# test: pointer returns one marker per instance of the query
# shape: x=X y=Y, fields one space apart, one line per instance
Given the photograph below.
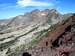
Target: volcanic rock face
x=35 y=33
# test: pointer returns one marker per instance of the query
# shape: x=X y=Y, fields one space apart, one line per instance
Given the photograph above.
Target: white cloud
x=25 y=3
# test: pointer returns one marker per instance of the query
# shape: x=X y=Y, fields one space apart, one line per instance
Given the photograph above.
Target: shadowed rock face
x=26 y=54
x=33 y=32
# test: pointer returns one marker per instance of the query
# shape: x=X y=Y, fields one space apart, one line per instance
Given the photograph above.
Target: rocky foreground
x=38 y=33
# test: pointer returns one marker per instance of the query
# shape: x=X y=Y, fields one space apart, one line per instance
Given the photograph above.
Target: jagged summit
x=34 y=16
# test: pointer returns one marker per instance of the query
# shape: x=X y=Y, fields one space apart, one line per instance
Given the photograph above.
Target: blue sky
x=11 y=8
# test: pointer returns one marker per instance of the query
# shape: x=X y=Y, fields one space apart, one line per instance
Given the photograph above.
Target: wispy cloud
x=25 y=3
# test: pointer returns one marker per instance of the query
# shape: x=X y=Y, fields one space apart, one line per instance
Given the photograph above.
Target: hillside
x=36 y=33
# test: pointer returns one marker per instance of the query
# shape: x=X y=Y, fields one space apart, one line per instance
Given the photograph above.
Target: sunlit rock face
x=24 y=32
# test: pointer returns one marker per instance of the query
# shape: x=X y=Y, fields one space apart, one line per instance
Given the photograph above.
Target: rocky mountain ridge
x=25 y=31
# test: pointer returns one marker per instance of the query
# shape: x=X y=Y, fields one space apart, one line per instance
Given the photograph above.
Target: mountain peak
x=36 y=16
